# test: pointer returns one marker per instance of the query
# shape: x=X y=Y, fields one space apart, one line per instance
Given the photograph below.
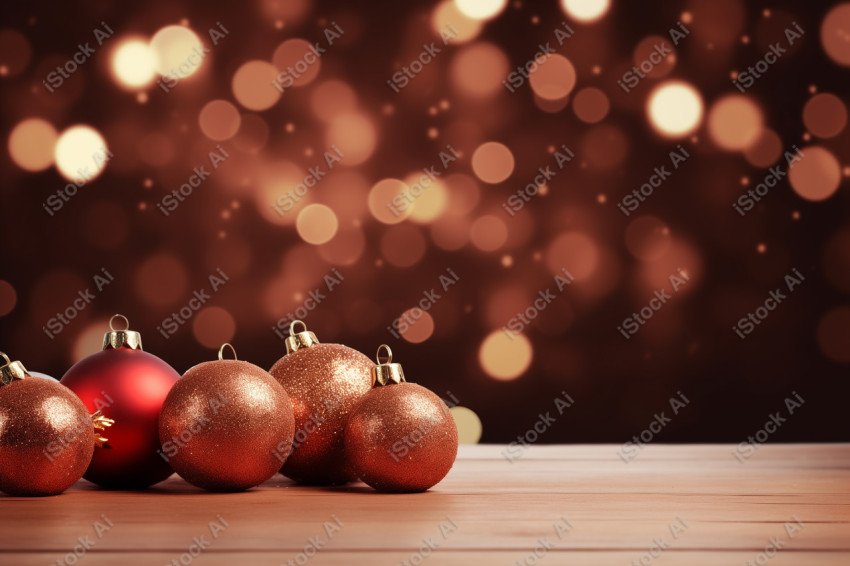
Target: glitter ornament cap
x=11 y=370
x=386 y=372
x=121 y=337
x=298 y=340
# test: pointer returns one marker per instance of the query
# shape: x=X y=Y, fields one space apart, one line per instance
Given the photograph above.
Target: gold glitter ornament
x=400 y=436
x=324 y=382
x=47 y=437
x=226 y=425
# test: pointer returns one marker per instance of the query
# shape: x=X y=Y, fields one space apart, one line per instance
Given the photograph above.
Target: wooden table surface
x=672 y=504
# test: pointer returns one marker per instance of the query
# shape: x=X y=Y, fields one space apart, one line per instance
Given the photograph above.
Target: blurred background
x=584 y=200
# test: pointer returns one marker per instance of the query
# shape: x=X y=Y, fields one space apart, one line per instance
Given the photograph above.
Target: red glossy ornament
x=227 y=425
x=128 y=385
x=324 y=381
x=46 y=435
x=400 y=436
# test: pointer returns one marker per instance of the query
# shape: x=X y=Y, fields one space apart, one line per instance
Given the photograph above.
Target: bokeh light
x=178 y=50
x=15 y=52
x=469 y=427
x=833 y=336
x=403 y=245
x=297 y=63
x=735 y=122
x=389 y=201
x=574 y=252
x=825 y=115
x=419 y=327
x=332 y=98
x=591 y=105
x=134 y=63
x=481 y=9
x=817 y=175
x=81 y=153
x=219 y=120
x=316 y=224
x=253 y=85
x=354 y=136
x=8 y=298
x=834 y=34
x=675 y=109
x=492 y=162
x=586 y=11
x=505 y=356
x=488 y=233
x=447 y=16
x=766 y=149
x=647 y=238
x=554 y=77
x=31 y=144
x=213 y=326
x=478 y=70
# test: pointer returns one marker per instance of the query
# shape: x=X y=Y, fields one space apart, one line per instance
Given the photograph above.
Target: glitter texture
x=401 y=437
x=324 y=382
x=226 y=426
x=46 y=437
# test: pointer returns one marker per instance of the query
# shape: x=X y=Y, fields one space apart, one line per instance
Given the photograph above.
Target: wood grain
x=572 y=504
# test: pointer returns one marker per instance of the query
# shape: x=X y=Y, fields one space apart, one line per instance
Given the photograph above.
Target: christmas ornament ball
x=227 y=425
x=400 y=437
x=324 y=381
x=129 y=386
x=47 y=436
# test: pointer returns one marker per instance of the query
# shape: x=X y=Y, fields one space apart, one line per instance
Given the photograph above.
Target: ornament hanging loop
x=121 y=337
x=386 y=372
x=221 y=351
x=119 y=317
x=11 y=371
x=298 y=340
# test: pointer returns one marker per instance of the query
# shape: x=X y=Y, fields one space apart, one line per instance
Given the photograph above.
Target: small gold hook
x=292 y=327
x=389 y=354
x=221 y=351
x=120 y=317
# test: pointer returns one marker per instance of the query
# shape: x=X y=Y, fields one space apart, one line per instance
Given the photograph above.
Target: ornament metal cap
x=298 y=340
x=11 y=371
x=121 y=337
x=386 y=373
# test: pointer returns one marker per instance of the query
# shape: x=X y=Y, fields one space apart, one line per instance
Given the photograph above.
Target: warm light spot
x=591 y=105
x=316 y=224
x=505 y=356
x=735 y=122
x=675 y=109
x=554 y=78
x=419 y=327
x=31 y=144
x=648 y=53
x=430 y=198
x=390 y=201
x=15 y=52
x=448 y=18
x=253 y=85
x=468 y=425
x=816 y=175
x=766 y=149
x=219 y=120
x=297 y=63
x=213 y=326
x=134 y=64
x=585 y=11
x=8 y=298
x=178 y=51
x=492 y=162
x=332 y=98
x=488 y=233
x=481 y=9
x=825 y=115
x=574 y=252
x=647 y=238
x=479 y=69
x=403 y=245
x=161 y=280
x=833 y=337
x=80 y=153
x=345 y=248
x=835 y=34
x=355 y=137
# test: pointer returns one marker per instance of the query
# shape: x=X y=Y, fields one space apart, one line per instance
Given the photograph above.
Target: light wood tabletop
x=582 y=504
